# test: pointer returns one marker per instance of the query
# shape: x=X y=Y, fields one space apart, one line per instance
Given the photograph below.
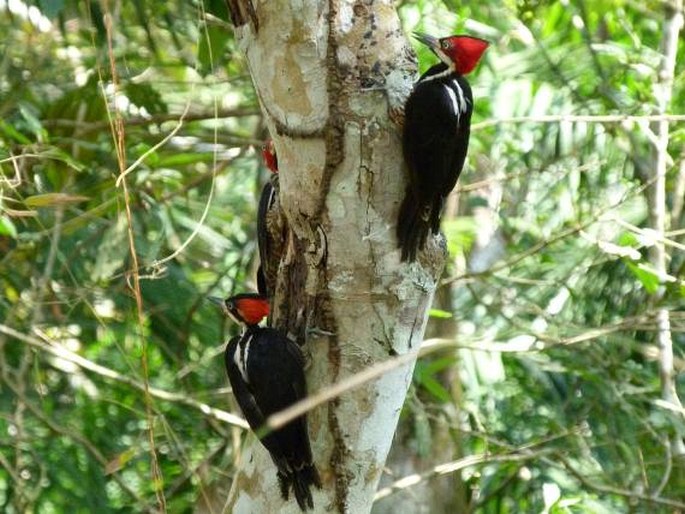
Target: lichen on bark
x=320 y=70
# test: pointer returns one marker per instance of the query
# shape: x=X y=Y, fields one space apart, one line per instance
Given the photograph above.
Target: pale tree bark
x=673 y=23
x=324 y=72
x=446 y=493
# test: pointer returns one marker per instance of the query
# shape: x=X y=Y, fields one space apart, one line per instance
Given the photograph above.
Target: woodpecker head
x=461 y=53
x=245 y=308
x=269 y=156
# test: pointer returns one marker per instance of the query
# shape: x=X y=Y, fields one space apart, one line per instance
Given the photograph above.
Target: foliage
x=568 y=290
x=572 y=274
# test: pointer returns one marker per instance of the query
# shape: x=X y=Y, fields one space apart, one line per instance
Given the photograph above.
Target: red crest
x=252 y=309
x=463 y=51
x=269 y=156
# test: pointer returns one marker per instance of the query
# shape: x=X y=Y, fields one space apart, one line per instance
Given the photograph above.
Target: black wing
x=265 y=201
x=280 y=388
x=436 y=134
x=248 y=403
x=241 y=391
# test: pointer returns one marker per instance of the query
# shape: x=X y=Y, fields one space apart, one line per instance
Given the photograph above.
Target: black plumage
x=435 y=138
x=435 y=141
x=266 y=371
x=271 y=237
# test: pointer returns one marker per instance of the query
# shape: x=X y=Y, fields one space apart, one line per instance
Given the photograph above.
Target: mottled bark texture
x=327 y=74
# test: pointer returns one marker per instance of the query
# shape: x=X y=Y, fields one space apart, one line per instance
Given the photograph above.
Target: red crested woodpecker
x=435 y=139
x=271 y=233
x=266 y=372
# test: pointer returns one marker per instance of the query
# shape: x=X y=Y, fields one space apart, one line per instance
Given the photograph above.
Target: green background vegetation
x=568 y=396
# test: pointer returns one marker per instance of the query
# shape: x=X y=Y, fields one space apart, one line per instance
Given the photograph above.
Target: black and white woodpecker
x=266 y=372
x=435 y=139
x=271 y=226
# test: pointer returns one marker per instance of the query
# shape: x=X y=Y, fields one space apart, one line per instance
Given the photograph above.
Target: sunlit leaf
x=439 y=314
x=460 y=233
x=12 y=133
x=54 y=200
x=211 y=48
x=7 y=228
x=120 y=461
x=648 y=279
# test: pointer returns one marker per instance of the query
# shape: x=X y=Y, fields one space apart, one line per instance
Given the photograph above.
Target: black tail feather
x=413 y=226
x=301 y=481
x=283 y=484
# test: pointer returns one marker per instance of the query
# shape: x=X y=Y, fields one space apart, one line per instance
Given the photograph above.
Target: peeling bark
x=326 y=74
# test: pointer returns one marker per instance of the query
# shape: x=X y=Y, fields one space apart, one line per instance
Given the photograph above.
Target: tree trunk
x=445 y=493
x=673 y=23
x=325 y=73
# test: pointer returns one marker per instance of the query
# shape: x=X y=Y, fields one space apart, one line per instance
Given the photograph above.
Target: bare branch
x=608 y=489
x=580 y=118
x=57 y=350
x=663 y=90
x=451 y=467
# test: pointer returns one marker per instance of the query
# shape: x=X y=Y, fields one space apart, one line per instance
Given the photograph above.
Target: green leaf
x=628 y=239
x=211 y=48
x=439 y=314
x=424 y=375
x=53 y=200
x=648 y=279
x=183 y=159
x=460 y=233
x=33 y=124
x=13 y=133
x=438 y=365
x=58 y=154
x=144 y=95
x=436 y=389
x=7 y=228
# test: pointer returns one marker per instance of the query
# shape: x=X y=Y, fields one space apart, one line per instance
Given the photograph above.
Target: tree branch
x=581 y=118
x=57 y=350
x=673 y=22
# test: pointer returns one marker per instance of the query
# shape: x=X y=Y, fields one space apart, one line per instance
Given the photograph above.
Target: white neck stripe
x=440 y=75
x=453 y=99
x=240 y=357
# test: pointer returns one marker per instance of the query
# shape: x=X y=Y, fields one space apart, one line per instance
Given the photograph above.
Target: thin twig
x=119 y=135
x=580 y=118
x=547 y=242
x=74 y=435
x=607 y=489
x=451 y=467
x=156 y=119
x=57 y=350
x=656 y=199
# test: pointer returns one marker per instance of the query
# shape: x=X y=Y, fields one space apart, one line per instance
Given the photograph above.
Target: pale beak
x=431 y=42
x=216 y=300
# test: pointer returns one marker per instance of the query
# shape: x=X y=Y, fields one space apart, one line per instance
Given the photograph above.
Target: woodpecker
x=435 y=139
x=266 y=371
x=269 y=156
x=270 y=227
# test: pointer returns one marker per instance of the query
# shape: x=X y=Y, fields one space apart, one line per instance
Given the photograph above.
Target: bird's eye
x=445 y=44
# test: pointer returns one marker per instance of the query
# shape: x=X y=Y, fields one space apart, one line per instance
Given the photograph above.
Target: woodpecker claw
x=316 y=331
x=320 y=247
x=396 y=115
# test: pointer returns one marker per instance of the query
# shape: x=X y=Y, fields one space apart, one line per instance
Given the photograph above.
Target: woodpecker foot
x=396 y=115
x=320 y=248
x=316 y=331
